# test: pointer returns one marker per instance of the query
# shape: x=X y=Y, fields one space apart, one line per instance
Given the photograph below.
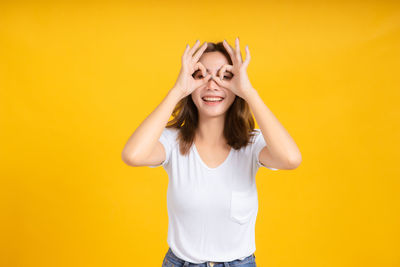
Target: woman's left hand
x=239 y=84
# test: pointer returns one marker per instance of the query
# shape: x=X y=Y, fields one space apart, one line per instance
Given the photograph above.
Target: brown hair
x=238 y=126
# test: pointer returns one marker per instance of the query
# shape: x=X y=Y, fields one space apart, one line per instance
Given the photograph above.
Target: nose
x=211 y=84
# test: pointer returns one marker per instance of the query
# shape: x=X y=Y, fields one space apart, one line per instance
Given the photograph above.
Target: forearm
x=278 y=140
x=146 y=135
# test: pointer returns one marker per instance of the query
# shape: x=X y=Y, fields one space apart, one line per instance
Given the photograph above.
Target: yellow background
x=77 y=78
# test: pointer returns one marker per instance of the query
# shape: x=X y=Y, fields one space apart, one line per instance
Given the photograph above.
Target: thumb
x=220 y=82
x=208 y=76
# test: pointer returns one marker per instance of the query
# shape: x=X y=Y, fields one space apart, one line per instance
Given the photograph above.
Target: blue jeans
x=171 y=260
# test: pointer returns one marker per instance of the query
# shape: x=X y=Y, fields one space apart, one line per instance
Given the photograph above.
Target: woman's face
x=213 y=61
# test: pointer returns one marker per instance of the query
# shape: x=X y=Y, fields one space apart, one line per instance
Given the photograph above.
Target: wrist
x=249 y=93
x=176 y=92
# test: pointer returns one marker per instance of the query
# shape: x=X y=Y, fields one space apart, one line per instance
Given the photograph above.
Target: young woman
x=211 y=153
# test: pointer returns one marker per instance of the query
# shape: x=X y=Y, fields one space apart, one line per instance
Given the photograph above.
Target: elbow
x=127 y=158
x=294 y=161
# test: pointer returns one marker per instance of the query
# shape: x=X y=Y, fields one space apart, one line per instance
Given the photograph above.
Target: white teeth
x=212 y=98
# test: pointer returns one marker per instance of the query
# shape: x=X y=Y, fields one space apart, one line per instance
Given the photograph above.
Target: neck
x=211 y=131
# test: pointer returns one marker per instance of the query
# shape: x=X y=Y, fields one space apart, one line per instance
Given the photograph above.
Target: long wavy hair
x=238 y=124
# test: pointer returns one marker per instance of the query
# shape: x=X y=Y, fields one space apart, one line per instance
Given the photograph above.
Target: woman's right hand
x=185 y=83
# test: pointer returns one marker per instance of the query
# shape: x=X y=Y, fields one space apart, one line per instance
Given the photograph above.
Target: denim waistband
x=180 y=262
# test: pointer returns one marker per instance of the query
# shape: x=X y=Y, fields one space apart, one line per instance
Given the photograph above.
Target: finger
x=202 y=68
x=200 y=52
x=186 y=50
x=225 y=68
x=229 y=68
x=246 y=62
x=195 y=68
x=184 y=56
x=206 y=78
x=238 y=53
x=220 y=82
x=229 y=47
x=230 y=51
x=222 y=71
x=191 y=51
x=203 y=81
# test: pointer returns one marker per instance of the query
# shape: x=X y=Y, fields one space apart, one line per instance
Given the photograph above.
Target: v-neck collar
x=205 y=165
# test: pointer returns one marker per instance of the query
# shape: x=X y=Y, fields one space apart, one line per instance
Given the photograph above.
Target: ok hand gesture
x=239 y=84
x=185 y=83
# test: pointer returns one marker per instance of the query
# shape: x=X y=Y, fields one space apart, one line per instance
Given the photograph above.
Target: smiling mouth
x=212 y=101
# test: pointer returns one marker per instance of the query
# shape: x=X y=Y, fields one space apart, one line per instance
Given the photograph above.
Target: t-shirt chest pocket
x=243 y=205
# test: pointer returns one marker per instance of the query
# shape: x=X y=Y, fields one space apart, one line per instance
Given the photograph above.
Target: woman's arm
x=281 y=151
x=145 y=137
x=143 y=141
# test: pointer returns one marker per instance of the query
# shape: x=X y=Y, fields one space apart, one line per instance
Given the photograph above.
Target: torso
x=212 y=205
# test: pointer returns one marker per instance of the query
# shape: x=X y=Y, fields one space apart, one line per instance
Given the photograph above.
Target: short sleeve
x=258 y=145
x=166 y=140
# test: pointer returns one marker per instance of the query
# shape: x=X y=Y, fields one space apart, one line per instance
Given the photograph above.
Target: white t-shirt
x=212 y=211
